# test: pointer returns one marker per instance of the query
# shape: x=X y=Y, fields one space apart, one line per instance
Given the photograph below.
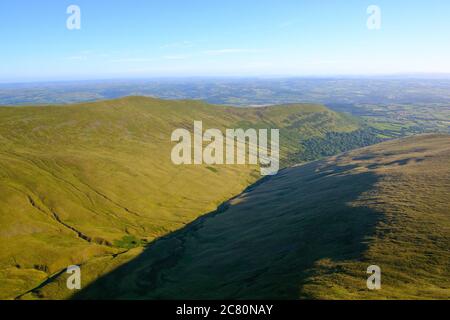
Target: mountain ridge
x=94 y=181
x=354 y=210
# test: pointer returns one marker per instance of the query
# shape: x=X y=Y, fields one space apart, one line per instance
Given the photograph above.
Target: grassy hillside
x=311 y=232
x=91 y=184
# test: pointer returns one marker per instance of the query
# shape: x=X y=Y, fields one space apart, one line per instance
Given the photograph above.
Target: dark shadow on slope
x=259 y=245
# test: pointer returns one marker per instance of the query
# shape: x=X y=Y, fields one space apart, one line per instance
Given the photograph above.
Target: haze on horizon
x=138 y=39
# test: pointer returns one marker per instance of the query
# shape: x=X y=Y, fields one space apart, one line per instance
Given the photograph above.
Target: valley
x=92 y=184
x=310 y=233
x=204 y=159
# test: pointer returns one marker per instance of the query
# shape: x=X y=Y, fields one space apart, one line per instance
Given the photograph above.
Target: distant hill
x=92 y=183
x=311 y=232
x=339 y=91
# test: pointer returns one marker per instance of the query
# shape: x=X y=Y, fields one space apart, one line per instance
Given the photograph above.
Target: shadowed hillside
x=92 y=184
x=311 y=232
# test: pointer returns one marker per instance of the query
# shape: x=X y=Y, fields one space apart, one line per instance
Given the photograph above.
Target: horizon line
x=405 y=75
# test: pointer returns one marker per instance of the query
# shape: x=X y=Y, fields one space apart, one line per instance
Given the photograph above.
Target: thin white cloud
x=328 y=62
x=176 y=57
x=132 y=60
x=77 y=58
x=181 y=44
x=87 y=55
x=229 y=51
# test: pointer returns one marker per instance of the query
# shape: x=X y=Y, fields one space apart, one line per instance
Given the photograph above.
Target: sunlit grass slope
x=311 y=232
x=83 y=184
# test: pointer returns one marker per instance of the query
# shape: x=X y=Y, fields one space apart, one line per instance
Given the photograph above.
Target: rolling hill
x=92 y=184
x=311 y=232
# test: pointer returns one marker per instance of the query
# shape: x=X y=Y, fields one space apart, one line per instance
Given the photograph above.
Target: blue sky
x=154 y=38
